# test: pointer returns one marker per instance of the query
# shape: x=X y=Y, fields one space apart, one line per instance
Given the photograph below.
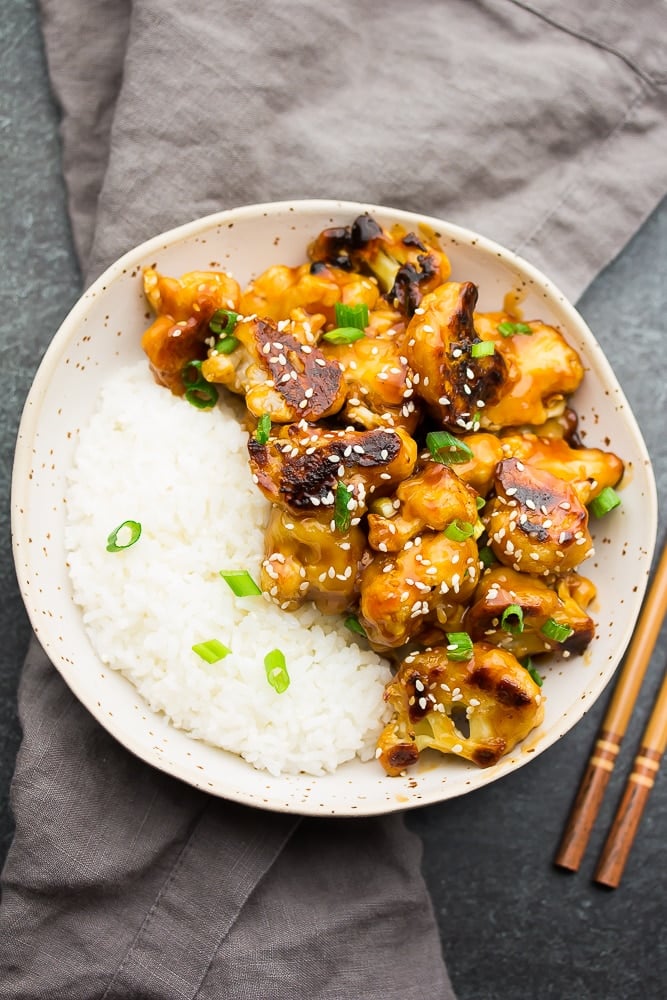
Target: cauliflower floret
x=436 y=699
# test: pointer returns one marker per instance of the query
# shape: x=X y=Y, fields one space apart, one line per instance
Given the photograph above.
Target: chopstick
x=637 y=790
x=615 y=723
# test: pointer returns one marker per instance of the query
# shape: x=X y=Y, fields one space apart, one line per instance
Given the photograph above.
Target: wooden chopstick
x=615 y=723
x=637 y=790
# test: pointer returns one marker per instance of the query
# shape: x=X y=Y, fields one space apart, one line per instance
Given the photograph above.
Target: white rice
x=183 y=474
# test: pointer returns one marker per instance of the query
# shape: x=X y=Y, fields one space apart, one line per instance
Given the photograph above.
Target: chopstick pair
x=601 y=763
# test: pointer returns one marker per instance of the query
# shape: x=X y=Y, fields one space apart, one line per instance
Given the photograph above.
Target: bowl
x=102 y=333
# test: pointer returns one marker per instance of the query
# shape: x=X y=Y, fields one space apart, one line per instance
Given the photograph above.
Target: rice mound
x=149 y=456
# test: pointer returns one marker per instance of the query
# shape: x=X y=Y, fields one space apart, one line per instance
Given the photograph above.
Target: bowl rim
x=135 y=256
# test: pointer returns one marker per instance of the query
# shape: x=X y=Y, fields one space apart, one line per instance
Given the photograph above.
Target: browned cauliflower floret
x=478 y=708
x=306 y=561
x=400 y=592
x=277 y=373
x=589 y=470
x=511 y=609
x=183 y=307
x=377 y=380
x=316 y=289
x=405 y=265
x=308 y=469
x=440 y=345
x=542 y=371
x=430 y=499
x=536 y=523
x=197 y=294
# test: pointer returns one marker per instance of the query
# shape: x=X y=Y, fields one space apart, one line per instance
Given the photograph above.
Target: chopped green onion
x=203 y=395
x=512 y=619
x=554 y=630
x=487 y=556
x=198 y=391
x=211 y=651
x=509 y=329
x=482 y=349
x=222 y=322
x=352 y=622
x=480 y=501
x=459 y=646
x=240 y=582
x=478 y=529
x=263 y=432
x=476 y=421
x=191 y=373
x=343 y=335
x=134 y=529
x=605 y=501
x=276 y=670
x=226 y=345
x=447 y=449
x=354 y=316
x=342 y=515
x=527 y=664
x=458 y=531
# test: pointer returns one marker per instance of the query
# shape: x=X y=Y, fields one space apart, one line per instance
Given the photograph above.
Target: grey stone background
x=513 y=926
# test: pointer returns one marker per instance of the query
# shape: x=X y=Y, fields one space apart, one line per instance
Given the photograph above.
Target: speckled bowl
x=102 y=332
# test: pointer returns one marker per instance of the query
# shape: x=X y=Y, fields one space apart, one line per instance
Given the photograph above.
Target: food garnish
x=554 y=630
x=212 y=650
x=605 y=501
x=276 y=670
x=125 y=535
x=240 y=582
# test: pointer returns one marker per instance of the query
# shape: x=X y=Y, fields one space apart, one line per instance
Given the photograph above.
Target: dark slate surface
x=513 y=926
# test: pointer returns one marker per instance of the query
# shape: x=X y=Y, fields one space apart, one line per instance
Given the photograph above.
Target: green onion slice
x=343 y=335
x=198 y=391
x=554 y=630
x=512 y=619
x=240 y=582
x=605 y=501
x=226 y=345
x=211 y=651
x=482 y=349
x=125 y=535
x=447 y=449
x=459 y=646
x=509 y=329
x=527 y=664
x=276 y=670
x=203 y=395
x=352 y=316
x=458 y=531
x=487 y=556
x=222 y=322
x=352 y=622
x=263 y=431
x=480 y=501
x=342 y=515
x=191 y=373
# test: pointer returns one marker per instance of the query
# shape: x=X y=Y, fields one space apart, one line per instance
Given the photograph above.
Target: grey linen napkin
x=542 y=125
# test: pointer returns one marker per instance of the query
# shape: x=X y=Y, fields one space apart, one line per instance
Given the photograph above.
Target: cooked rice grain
x=183 y=474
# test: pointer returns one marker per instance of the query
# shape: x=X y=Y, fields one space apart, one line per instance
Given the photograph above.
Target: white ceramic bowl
x=102 y=333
